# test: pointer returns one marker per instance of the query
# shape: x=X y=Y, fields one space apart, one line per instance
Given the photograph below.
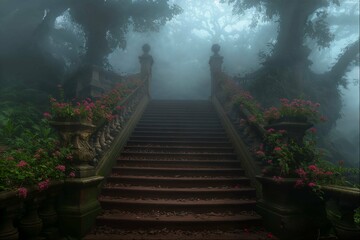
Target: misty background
x=181 y=50
x=44 y=42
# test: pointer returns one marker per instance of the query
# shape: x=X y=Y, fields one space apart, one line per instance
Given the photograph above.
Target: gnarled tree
x=286 y=70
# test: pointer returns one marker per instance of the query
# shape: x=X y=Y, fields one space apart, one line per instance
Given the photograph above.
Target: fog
x=42 y=43
x=181 y=50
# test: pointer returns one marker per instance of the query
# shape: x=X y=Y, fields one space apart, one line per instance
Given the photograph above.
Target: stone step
x=181 y=182
x=190 y=221
x=181 y=134
x=185 y=172
x=176 y=156
x=178 y=138
x=177 y=143
x=218 y=164
x=178 y=129
x=174 y=149
x=176 y=193
x=178 y=205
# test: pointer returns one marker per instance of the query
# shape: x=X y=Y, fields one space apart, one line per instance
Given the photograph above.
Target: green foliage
x=34 y=157
x=357 y=216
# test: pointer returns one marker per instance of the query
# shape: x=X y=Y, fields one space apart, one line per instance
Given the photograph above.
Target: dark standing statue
x=215 y=63
x=146 y=61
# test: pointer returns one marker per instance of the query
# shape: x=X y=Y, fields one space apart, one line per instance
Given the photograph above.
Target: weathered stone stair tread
x=132 y=218
x=172 y=154
x=170 y=202
x=176 y=193
x=167 y=179
x=177 y=129
x=176 y=143
x=183 y=162
x=178 y=138
x=174 y=133
x=176 y=148
x=166 y=171
x=177 y=235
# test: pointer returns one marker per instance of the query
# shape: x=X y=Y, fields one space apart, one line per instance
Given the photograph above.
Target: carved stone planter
x=77 y=135
x=340 y=205
x=294 y=126
x=291 y=213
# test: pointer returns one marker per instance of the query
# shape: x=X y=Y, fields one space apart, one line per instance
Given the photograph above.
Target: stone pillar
x=146 y=62
x=79 y=203
x=215 y=63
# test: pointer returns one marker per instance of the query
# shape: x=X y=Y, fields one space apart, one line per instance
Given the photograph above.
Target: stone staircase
x=178 y=178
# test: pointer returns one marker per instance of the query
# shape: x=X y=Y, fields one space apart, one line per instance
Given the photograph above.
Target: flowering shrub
x=295 y=108
x=245 y=100
x=282 y=158
x=34 y=158
x=88 y=110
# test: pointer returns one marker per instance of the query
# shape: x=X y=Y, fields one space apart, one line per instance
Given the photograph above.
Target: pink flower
x=22 y=164
x=260 y=153
x=313 y=168
x=69 y=157
x=277 y=179
x=282 y=131
x=22 y=192
x=269 y=235
x=301 y=172
x=43 y=185
x=271 y=130
x=72 y=174
x=61 y=168
x=299 y=183
x=313 y=130
x=47 y=115
x=312 y=184
x=329 y=173
x=277 y=149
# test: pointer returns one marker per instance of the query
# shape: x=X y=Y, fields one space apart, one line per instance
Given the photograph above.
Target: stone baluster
x=30 y=225
x=215 y=63
x=7 y=216
x=49 y=216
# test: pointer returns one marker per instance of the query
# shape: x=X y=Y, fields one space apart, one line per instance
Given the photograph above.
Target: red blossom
x=299 y=183
x=270 y=235
x=260 y=153
x=22 y=163
x=313 y=168
x=22 y=192
x=277 y=149
x=61 y=168
x=278 y=179
x=43 y=185
x=72 y=174
x=47 y=115
x=311 y=184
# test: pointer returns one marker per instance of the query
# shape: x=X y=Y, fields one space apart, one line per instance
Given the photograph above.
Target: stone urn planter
x=291 y=213
x=294 y=126
x=77 y=135
x=340 y=205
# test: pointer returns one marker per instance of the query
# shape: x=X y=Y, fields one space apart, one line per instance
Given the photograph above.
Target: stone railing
x=241 y=136
x=69 y=208
x=282 y=218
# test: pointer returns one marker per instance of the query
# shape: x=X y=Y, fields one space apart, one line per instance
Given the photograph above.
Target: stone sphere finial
x=215 y=48
x=146 y=48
